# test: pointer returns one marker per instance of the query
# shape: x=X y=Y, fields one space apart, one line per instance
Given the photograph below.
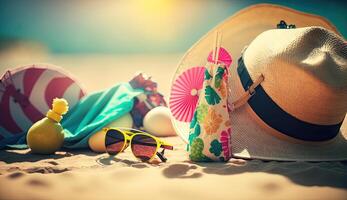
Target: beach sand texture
x=83 y=174
x=87 y=175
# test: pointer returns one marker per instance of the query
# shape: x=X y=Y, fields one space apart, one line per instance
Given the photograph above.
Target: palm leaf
x=207 y=75
x=218 y=77
x=211 y=96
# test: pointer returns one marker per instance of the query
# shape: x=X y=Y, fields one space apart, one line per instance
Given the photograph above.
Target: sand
x=87 y=175
x=83 y=174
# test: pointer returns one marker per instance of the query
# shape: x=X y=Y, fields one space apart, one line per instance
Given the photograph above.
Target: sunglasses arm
x=161 y=156
x=166 y=146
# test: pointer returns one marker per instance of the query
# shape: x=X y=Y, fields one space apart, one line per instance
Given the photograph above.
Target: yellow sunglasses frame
x=129 y=133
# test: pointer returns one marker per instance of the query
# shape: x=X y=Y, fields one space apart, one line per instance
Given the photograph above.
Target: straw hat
x=300 y=81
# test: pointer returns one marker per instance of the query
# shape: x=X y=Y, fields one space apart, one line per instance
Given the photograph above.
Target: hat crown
x=314 y=49
x=305 y=71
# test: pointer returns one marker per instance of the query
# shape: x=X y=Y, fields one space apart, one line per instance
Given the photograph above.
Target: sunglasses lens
x=143 y=147
x=114 y=141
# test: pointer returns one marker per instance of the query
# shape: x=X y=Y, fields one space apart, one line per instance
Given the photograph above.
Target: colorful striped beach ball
x=26 y=94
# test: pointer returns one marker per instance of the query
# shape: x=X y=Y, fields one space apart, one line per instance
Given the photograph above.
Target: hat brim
x=249 y=138
x=252 y=138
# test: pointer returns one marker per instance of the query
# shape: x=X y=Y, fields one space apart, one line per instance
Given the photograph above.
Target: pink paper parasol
x=223 y=57
x=185 y=93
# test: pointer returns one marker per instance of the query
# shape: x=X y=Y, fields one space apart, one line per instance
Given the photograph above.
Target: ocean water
x=132 y=26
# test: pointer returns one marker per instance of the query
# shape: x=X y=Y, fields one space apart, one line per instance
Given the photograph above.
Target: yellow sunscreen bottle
x=46 y=136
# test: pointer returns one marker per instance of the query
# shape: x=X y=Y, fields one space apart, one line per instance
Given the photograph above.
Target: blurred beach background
x=97 y=40
x=102 y=43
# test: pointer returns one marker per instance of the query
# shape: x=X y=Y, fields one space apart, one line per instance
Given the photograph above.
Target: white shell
x=158 y=122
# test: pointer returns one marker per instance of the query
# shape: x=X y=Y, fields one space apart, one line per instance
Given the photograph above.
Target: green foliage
x=196 y=153
x=194 y=133
x=218 y=77
x=211 y=96
x=194 y=121
x=194 y=129
x=202 y=111
x=216 y=147
x=207 y=75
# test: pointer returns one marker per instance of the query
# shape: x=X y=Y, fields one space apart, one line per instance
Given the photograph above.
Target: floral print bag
x=210 y=128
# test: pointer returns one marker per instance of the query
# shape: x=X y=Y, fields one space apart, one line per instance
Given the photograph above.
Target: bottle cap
x=59 y=108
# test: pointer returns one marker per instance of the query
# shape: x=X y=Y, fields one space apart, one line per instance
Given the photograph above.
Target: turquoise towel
x=95 y=111
x=91 y=114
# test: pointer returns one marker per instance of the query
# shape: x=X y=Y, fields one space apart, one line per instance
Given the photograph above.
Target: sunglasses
x=143 y=145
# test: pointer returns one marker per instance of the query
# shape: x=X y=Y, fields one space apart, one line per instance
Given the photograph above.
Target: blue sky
x=132 y=26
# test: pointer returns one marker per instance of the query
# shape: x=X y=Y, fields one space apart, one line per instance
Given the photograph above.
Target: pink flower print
x=226 y=143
